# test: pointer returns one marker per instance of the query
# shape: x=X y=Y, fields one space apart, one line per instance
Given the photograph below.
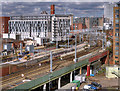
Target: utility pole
x=50 y=70
x=75 y=48
x=50 y=61
x=75 y=53
x=103 y=42
x=79 y=38
x=21 y=48
x=57 y=43
x=68 y=40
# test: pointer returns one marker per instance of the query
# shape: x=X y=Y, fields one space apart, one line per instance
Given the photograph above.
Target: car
x=96 y=84
x=92 y=87
x=86 y=87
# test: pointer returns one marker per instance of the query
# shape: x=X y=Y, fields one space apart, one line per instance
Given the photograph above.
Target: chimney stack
x=52 y=9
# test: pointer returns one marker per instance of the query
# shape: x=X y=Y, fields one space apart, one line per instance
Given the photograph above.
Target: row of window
x=30 y=17
x=24 y=22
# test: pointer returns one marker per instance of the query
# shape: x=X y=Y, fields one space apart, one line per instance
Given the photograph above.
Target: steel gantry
x=92 y=35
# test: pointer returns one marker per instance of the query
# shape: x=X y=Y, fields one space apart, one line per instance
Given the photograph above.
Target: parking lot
x=111 y=83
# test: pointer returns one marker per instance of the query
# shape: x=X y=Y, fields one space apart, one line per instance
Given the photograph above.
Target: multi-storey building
x=78 y=26
x=90 y=22
x=30 y=26
x=4 y=25
x=60 y=27
x=52 y=26
x=116 y=33
x=108 y=11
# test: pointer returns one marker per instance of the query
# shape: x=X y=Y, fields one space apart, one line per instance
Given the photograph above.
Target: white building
x=108 y=11
x=55 y=27
x=30 y=26
x=60 y=27
x=12 y=36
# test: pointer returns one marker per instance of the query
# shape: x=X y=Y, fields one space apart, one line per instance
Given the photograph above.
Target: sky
x=78 y=9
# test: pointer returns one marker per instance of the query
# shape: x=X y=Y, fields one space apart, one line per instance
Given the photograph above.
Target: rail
x=50 y=76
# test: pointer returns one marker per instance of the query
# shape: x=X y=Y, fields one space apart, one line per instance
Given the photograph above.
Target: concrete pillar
x=44 y=87
x=59 y=80
x=88 y=70
x=71 y=76
x=80 y=71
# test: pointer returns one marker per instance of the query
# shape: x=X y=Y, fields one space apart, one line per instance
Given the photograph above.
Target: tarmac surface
x=107 y=83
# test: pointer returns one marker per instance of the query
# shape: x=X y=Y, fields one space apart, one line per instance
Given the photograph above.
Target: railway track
x=36 y=70
x=39 y=71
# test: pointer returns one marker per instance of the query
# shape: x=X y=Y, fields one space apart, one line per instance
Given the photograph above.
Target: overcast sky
x=78 y=9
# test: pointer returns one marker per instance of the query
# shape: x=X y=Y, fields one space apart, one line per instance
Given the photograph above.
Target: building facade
x=30 y=26
x=78 y=26
x=90 y=22
x=108 y=11
x=55 y=27
x=60 y=27
x=4 y=25
x=116 y=34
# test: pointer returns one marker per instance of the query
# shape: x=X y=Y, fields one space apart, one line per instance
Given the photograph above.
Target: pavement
x=101 y=79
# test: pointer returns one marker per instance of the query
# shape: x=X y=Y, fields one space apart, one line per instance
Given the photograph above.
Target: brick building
x=4 y=25
x=116 y=34
x=78 y=26
x=90 y=22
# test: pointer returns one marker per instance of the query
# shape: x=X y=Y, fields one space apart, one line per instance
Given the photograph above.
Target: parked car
x=92 y=87
x=96 y=85
x=89 y=87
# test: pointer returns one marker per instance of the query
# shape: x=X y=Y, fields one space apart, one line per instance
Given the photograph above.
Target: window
x=117 y=25
x=116 y=16
x=116 y=21
x=116 y=39
x=116 y=11
x=116 y=48
x=116 y=57
x=116 y=53
x=116 y=34
x=116 y=30
x=117 y=44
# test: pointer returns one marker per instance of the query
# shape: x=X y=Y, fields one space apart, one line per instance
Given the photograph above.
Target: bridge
x=62 y=69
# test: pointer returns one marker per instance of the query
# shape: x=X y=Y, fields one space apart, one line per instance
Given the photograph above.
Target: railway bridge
x=84 y=63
